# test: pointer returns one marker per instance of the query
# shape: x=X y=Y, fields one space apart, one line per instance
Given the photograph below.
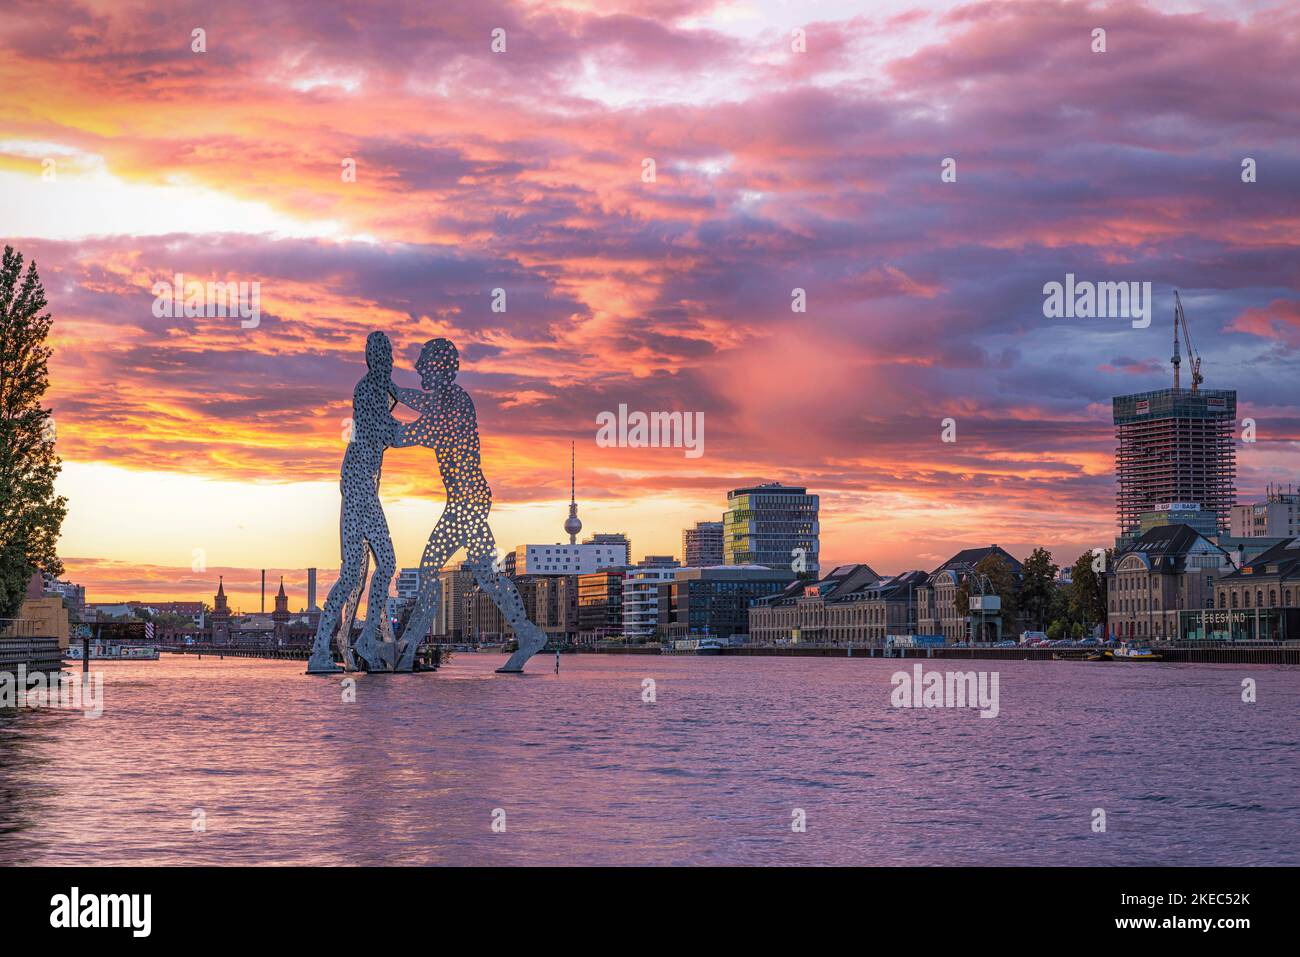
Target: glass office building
x=715 y=602
x=772 y=525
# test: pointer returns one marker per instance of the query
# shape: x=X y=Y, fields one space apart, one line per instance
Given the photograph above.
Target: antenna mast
x=573 y=524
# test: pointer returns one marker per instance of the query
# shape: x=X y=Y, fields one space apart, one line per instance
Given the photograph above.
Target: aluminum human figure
x=448 y=424
x=362 y=526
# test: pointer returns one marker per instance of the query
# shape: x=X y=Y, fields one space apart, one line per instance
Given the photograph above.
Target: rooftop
x=970 y=557
x=771 y=488
x=1174 y=403
x=1283 y=559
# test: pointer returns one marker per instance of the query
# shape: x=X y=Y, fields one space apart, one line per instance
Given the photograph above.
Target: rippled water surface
x=285 y=771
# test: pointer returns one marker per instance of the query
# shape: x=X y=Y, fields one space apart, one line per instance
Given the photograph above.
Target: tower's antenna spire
x=572 y=524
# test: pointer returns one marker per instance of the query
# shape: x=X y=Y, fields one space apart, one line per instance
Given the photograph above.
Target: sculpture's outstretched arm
x=404 y=436
x=417 y=399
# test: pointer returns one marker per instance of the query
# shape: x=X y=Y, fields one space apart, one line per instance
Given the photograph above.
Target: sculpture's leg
x=335 y=612
x=376 y=643
x=505 y=596
x=441 y=546
x=344 y=636
x=417 y=626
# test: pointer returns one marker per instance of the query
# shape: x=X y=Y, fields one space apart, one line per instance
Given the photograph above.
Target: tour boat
x=112 y=651
x=697 y=646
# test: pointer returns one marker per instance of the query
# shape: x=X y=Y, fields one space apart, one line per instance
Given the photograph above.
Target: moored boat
x=1077 y=654
x=1132 y=653
x=695 y=646
x=112 y=651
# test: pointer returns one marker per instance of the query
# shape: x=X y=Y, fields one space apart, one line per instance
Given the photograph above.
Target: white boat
x=1133 y=653
x=697 y=646
x=112 y=651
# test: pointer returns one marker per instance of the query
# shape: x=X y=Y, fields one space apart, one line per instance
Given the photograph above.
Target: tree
x=1059 y=610
x=31 y=515
x=1038 y=586
x=171 y=620
x=1088 y=601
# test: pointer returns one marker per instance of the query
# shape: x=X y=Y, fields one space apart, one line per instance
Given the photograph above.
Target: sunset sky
x=194 y=447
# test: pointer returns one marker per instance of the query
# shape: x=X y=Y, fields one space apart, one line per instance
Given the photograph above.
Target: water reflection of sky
x=284 y=771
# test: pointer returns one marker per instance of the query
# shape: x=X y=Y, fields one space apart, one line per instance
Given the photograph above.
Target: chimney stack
x=263 y=591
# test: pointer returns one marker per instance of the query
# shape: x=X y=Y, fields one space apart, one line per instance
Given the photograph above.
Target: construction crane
x=1180 y=319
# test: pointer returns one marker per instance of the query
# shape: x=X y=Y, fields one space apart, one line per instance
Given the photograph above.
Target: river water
x=240 y=761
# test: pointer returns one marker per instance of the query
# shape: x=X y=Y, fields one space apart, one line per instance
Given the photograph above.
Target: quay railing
x=284 y=653
x=21 y=645
x=290 y=652
x=1206 y=652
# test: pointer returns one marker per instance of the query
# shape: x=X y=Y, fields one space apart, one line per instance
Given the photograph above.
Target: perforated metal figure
x=448 y=424
x=362 y=526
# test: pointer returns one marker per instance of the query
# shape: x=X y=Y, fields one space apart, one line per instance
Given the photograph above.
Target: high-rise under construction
x=1176 y=446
